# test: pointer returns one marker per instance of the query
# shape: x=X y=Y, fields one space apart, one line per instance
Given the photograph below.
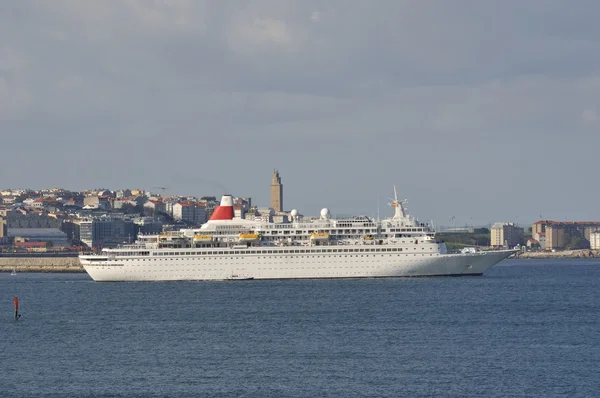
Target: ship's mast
x=398 y=205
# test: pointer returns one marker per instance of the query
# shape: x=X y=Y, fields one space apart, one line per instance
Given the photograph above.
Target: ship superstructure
x=229 y=248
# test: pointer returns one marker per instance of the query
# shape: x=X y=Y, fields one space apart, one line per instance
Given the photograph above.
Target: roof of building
x=30 y=244
x=36 y=232
x=550 y=222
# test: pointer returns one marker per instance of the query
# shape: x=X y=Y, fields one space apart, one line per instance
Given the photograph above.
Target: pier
x=582 y=253
x=40 y=264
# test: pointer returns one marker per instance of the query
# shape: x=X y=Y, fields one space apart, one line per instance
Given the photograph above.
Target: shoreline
x=581 y=253
x=40 y=264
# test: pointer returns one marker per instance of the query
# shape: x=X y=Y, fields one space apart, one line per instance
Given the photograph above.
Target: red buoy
x=16 y=301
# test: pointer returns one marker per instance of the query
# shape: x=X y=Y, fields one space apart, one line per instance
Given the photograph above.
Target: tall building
x=106 y=231
x=595 y=241
x=3 y=228
x=566 y=234
x=505 y=235
x=555 y=236
x=193 y=213
x=276 y=192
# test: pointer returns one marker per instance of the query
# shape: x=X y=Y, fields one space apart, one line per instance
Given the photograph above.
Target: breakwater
x=40 y=264
x=584 y=253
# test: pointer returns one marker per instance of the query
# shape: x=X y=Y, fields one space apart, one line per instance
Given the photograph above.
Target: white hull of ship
x=310 y=266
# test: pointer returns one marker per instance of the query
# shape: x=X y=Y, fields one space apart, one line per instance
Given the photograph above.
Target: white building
x=95 y=202
x=595 y=240
x=504 y=234
x=193 y=213
x=156 y=206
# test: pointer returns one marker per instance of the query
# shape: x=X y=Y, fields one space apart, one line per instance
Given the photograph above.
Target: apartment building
x=595 y=240
x=155 y=206
x=193 y=213
x=566 y=234
x=106 y=231
x=3 y=228
x=505 y=234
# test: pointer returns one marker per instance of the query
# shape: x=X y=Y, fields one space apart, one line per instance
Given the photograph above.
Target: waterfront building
x=595 y=240
x=555 y=236
x=106 y=231
x=505 y=234
x=3 y=228
x=53 y=235
x=33 y=247
x=541 y=238
x=565 y=234
x=21 y=218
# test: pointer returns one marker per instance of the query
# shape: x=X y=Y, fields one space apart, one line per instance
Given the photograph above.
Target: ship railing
x=170 y=234
x=132 y=246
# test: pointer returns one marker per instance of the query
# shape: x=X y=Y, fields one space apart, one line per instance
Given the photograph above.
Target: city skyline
x=482 y=111
x=451 y=223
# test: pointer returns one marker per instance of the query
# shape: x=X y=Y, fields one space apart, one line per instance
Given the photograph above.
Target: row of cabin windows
x=286 y=251
x=299 y=251
x=239 y=258
x=331 y=231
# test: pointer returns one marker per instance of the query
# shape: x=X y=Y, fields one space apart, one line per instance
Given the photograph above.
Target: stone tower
x=276 y=192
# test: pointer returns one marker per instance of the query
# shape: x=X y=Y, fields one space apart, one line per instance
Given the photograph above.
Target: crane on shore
x=163 y=189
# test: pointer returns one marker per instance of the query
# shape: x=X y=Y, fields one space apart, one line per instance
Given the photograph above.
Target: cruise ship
x=229 y=248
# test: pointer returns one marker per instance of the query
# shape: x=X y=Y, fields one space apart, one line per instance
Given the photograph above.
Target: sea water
x=526 y=328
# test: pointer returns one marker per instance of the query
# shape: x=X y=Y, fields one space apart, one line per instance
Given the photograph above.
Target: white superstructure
x=225 y=248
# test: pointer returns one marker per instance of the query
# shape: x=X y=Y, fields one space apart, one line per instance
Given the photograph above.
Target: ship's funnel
x=225 y=210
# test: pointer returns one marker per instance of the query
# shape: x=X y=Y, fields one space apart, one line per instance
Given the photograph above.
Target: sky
x=478 y=111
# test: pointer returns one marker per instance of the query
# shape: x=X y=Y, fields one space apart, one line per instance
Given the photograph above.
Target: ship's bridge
x=359 y=221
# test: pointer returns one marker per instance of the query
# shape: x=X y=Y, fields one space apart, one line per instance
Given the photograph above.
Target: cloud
x=248 y=32
x=15 y=93
x=379 y=92
x=590 y=117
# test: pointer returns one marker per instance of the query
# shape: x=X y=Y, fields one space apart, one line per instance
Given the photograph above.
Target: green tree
x=577 y=242
x=128 y=208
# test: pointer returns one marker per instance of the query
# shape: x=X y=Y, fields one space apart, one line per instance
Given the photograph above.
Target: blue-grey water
x=526 y=328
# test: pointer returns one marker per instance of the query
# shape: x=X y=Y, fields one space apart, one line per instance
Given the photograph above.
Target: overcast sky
x=482 y=110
